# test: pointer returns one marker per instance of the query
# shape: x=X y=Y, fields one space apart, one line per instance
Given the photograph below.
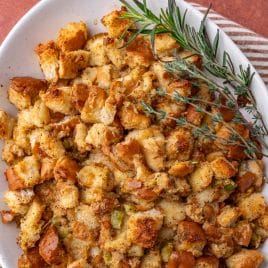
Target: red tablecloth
x=253 y=16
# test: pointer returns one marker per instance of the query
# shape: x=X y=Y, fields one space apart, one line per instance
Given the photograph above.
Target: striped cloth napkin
x=254 y=46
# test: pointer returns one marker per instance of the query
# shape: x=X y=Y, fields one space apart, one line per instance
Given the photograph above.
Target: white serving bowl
x=41 y=23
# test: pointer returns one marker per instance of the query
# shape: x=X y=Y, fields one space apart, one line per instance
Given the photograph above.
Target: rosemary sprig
x=173 y=21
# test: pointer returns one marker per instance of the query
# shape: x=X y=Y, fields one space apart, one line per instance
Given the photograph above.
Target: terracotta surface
x=253 y=16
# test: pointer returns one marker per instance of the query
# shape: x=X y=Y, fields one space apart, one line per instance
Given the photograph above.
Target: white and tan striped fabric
x=254 y=46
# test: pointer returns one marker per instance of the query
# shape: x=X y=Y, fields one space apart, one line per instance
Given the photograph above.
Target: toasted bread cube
x=67 y=195
x=143 y=227
x=80 y=134
x=163 y=76
x=18 y=201
x=66 y=169
x=71 y=62
x=252 y=207
x=24 y=174
x=191 y=238
x=31 y=258
x=104 y=76
x=152 y=260
x=245 y=259
x=89 y=75
x=79 y=95
x=21 y=138
x=207 y=262
x=31 y=225
x=85 y=214
x=11 y=152
x=181 y=169
x=131 y=118
x=58 y=99
x=165 y=44
x=6 y=125
x=48 y=58
x=222 y=168
x=179 y=144
x=73 y=36
x=95 y=176
x=101 y=135
x=228 y=216
x=95 y=45
x=81 y=263
x=191 y=57
x=114 y=24
x=173 y=212
x=139 y=53
x=47 y=168
x=45 y=144
x=39 y=114
x=23 y=91
x=201 y=178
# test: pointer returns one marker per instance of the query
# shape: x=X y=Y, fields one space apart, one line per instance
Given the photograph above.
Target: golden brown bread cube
x=48 y=55
x=228 y=216
x=191 y=238
x=72 y=62
x=23 y=91
x=144 y=227
x=6 y=125
x=245 y=259
x=114 y=24
x=31 y=259
x=222 y=168
x=207 y=262
x=165 y=44
x=181 y=169
x=72 y=37
x=67 y=195
x=131 y=118
x=50 y=247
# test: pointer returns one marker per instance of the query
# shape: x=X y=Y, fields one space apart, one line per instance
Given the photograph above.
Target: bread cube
x=181 y=169
x=252 y=206
x=58 y=99
x=131 y=118
x=201 y=178
x=222 y=168
x=101 y=135
x=80 y=134
x=67 y=195
x=246 y=258
x=86 y=215
x=23 y=91
x=173 y=212
x=31 y=225
x=151 y=260
x=6 y=125
x=165 y=44
x=72 y=62
x=95 y=45
x=228 y=216
x=48 y=55
x=114 y=24
x=143 y=227
x=73 y=36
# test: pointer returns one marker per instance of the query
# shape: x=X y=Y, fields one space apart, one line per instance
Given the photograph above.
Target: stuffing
x=72 y=37
x=95 y=176
x=80 y=134
x=179 y=144
x=85 y=214
x=19 y=201
x=207 y=262
x=66 y=169
x=165 y=44
x=228 y=216
x=48 y=55
x=95 y=45
x=72 y=62
x=201 y=178
x=222 y=168
x=181 y=168
x=24 y=174
x=50 y=247
x=101 y=135
x=11 y=152
x=32 y=259
x=114 y=24
x=58 y=99
x=67 y=195
x=139 y=53
x=23 y=91
x=191 y=238
x=181 y=259
x=143 y=227
x=151 y=260
x=243 y=233
x=252 y=207
x=131 y=118
x=173 y=212
x=245 y=259
x=6 y=125
x=31 y=225
x=81 y=263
